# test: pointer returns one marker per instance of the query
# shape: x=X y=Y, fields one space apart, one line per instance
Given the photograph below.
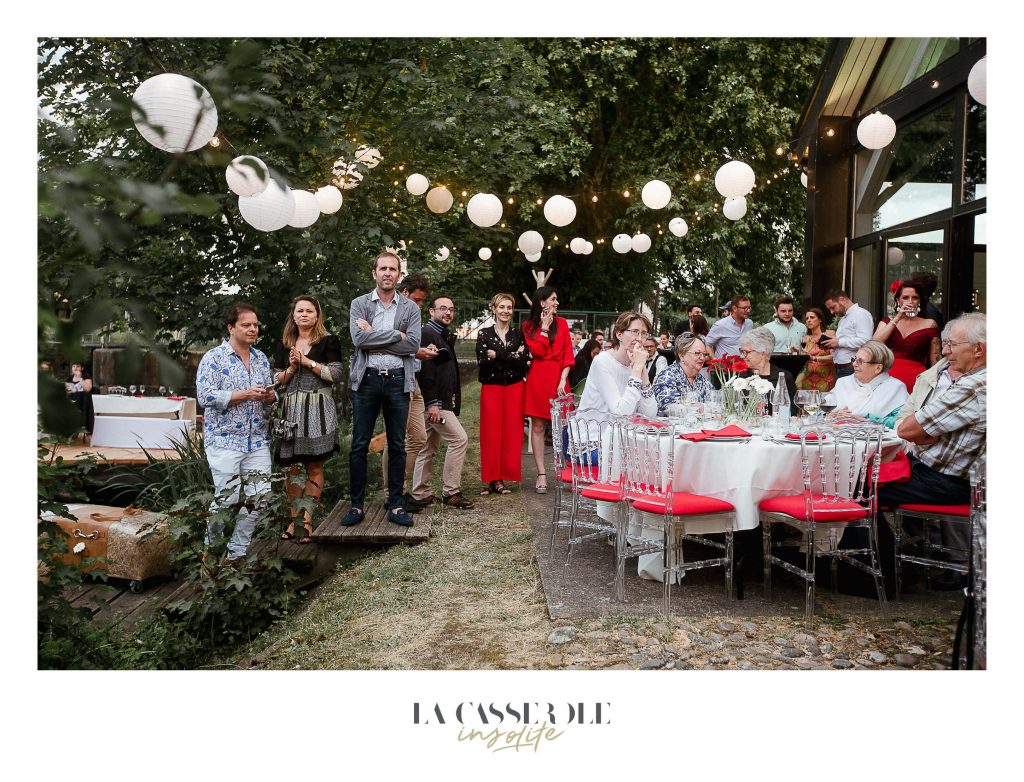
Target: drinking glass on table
x=132 y=389
x=828 y=402
x=142 y=390
x=163 y=390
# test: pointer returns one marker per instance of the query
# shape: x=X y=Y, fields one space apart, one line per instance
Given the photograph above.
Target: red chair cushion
x=609 y=492
x=590 y=472
x=939 y=510
x=684 y=504
x=795 y=505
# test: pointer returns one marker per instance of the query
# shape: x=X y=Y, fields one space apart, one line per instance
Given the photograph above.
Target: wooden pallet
x=375 y=528
x=77 y=453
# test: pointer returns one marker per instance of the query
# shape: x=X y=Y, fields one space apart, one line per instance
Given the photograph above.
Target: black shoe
x=949 y=581
x=399 y=516
x=457 y=501
x=353 y=517
x=412 y=504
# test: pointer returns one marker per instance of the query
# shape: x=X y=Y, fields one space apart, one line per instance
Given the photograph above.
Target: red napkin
x=896 y=471
x=648 y=422
x=694 y=437
x=729 y=431
x=176 y=398
x=811 y=436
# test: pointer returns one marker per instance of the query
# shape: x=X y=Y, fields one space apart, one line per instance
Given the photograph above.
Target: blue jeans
x=377 y=393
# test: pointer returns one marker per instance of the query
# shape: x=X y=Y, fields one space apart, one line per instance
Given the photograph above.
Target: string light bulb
x=778 y=150
x=540 y=201
x=594 y=199
x=215 y=142
x=510 y=201
x=625 y=193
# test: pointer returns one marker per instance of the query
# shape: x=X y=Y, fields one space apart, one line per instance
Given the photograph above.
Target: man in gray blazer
x=385 y=330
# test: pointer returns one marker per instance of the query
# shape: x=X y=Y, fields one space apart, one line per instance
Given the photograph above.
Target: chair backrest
x=560 y=407
x=590 y=443
x=840 y=464
x=647 y=450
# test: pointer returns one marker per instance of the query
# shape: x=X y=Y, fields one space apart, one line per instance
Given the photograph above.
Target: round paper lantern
x=271 y=209
x=976 y=81
x=417 y=184
x=588 y=249
x=442 y=253
x=307 y=209
x=559 y=210
x=578 y=245
x=484 y=209
x=622 y=243
x=533 y=257
x=735 y=178
x=174 y=113
x=735 y=207
x=640 y=243
x=876 y=130
x=346 y=175
x=247 y=175
x=368 y=156
x=484 y=253
x=678 y=226
x=329 y=198
x=656 y=194
x=803 y=179
x=895 y=256
x=439 y=200
x=531 y=242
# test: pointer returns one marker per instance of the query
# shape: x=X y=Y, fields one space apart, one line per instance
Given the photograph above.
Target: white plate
x=783 y=439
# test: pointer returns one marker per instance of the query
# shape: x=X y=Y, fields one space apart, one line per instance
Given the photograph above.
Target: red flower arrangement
x=726 y=367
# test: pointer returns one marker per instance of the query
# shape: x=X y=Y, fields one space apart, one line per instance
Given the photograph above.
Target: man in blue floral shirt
x=233 y=386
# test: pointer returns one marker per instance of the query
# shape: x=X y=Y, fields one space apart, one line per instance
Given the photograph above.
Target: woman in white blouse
x=870 y=393
x=618 y=382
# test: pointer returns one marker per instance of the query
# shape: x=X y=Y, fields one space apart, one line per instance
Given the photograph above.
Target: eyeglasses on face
x=442 y=308
x=744 y=352
x=637 y=333
x=862 y=361
x=947 y=343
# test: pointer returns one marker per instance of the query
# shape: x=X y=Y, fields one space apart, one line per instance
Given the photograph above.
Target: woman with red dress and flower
x=550 y=344
x=913 y=340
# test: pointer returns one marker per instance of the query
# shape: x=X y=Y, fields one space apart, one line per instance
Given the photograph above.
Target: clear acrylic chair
x=560 y=407
x=977 y=582
x=648 y=452
x=840 y=476
x=591 y=448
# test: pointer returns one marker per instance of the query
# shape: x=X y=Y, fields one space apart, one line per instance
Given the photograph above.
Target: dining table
x=743 y=472
x=123 y=421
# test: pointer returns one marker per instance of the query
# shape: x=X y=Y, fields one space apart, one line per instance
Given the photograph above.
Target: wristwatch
x=315 y=365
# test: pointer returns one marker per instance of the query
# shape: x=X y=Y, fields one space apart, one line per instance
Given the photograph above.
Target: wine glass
x=142 y=390
x=828 y=402
x=170 y=391
x=812 y=403
x=132 y=389
x=162 y=390
x=800 y=399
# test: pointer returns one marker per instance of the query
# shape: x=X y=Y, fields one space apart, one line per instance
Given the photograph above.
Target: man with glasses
x=724 y=337
x=856 y=326
x=442 y=394
x=948 y=434
x=385 y=329
x=656 y=363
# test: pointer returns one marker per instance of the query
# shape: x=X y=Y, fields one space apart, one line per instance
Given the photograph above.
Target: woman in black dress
x=308 y=362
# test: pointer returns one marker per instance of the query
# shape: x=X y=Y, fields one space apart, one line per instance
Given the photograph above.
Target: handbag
x=281 y=429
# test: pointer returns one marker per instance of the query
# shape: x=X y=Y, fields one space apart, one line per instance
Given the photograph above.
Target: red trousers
x=501 y=432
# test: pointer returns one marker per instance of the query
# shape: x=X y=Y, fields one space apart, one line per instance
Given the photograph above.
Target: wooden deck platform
x=375 y=528
x=77 y=453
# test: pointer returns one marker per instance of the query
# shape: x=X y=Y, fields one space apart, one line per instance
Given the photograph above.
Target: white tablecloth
x=115 y=431
x=144 y=407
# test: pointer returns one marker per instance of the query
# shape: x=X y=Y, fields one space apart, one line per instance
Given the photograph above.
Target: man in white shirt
x=855 y=328
x=724 y=337
x=789 y=333
x=656 y=363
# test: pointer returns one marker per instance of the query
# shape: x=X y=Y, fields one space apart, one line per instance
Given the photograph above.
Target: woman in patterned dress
x=820 y=371
x=309 y=363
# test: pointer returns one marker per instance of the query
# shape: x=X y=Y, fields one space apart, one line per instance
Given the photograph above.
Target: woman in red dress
x=550 y=344
x=912 y=339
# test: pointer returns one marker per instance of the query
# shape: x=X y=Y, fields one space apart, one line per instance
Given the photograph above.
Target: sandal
x=499 y=487
x=537 y=487
x=286 y=535
x=488 y=489
x=308 y=529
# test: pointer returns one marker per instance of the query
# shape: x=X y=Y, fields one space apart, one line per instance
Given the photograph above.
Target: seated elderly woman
x=756 y=347
x=618 y=382
x=870 y=393
x=684 y=375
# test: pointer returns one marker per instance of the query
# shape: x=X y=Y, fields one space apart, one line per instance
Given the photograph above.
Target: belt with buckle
x=386 y=372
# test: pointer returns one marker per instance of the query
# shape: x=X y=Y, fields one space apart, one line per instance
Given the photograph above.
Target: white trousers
x=231 y=470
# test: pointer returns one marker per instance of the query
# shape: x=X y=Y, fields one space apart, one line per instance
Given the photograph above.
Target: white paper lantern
x=174 y=113
x=247 y=175
x=368 y=156
x=559 y=210
x=329 y=198
x=678 y=226
x=346 y=175
x=588 y=249
x=640 y=243
x=976 y=81
x=484 y=253
x=439 y=200
x=307 y=210
x=895 y=256
x=735 y=207
x=876 y=130
x=622 y=243
x=531 y=243
x=271 y=209
x=484 y=209
x=735 y=178
x=417 y=184
x=656 y=194
x=442 y=254
x=578 y=245
x=803 y=179
x=533 y=257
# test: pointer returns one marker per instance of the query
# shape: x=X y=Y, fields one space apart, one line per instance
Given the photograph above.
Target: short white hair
x=761 y=340
x=973 y=325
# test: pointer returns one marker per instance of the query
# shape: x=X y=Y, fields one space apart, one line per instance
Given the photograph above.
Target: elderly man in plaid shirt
x=948 y=432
